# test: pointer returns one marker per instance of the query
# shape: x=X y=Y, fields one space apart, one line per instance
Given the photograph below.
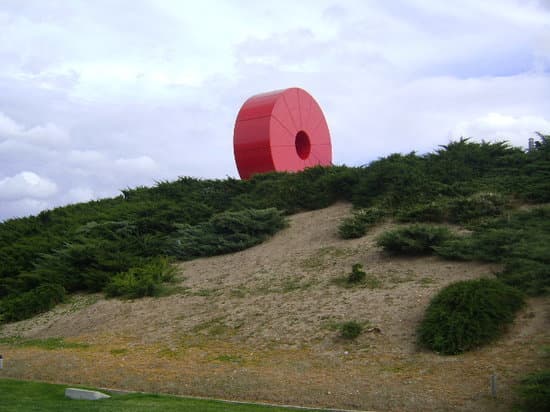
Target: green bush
x=519 y=241
x=394 y=181
x=534 y=392
x=468 y=314
x=478 y=205
x=226 y=232
x=435 y=211
x=530 y=276
x=486 y=243
x=40 y=299
x=413 y=240
x=146 y=280
x=457 y=248
x=352 y=228
x=350 y=330
x=359 y=222
x=357 y=274
x=460 y=209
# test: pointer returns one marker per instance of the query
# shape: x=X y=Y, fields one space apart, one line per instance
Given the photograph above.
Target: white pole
x=494 y=385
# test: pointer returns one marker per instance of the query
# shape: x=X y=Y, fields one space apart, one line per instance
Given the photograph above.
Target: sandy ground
x=261 y=325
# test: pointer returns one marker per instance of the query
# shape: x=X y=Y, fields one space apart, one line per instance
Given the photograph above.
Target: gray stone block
x=75 y=393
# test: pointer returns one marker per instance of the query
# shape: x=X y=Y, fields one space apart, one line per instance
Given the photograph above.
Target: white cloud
x=85 y=157
x=137 y=165
x=497 y=126
x=22 y=207
x=48 y=134
x=26 y=185
x=7 y=126
x=79 y=194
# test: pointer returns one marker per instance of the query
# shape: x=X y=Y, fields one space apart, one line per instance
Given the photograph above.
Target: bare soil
x=261 y=325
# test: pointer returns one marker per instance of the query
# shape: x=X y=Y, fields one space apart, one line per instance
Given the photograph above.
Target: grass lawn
x=22 y=396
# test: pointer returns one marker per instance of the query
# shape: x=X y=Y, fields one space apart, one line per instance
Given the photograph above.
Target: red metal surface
x=283 y=130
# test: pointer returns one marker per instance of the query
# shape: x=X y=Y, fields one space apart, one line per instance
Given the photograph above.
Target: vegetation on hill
x=468 y=314
x=114 y=245
x=414 y=240
x=534 y=391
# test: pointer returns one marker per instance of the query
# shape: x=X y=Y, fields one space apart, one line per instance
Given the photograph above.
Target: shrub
x=468 y=314
x=461 y=209
x=350 y=330
x=359 y=222
x=414 y=239
x=425 y=212
x=27 y=304
x=519 y=241
x=95 y=254
x=534 y=391
x=357 y=274
x=393 y=181
x=478 y=205
x=146 y=280
x=458 y=248
x=227 y=232
x=487 y=244
x=530 y=276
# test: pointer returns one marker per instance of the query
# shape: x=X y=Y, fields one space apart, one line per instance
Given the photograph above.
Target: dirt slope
x=261 y=325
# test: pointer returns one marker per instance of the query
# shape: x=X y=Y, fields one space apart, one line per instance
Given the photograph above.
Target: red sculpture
x=283 y=130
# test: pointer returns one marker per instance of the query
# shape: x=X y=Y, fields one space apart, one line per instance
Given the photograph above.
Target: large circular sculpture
x=283 y=130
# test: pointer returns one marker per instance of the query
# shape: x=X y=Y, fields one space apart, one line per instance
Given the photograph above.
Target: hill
x=265 y=323
x=262 y=324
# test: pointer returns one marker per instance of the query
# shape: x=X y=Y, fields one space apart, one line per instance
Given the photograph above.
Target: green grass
x=25 y=396
x=230 y=358
x=48 y=343
x=120 y=351
x=291 y=284
x=370 y=281
x=212 y=327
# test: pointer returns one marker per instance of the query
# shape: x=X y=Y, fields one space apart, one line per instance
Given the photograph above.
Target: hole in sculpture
x=303 y=146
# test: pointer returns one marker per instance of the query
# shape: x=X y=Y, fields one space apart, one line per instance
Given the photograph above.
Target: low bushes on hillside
x=488 y=244
x=359 y=222
x=40 y=299
x=468 y=314
x=350 y=330
x=476 y=206
x=138 y=282
x=519 y=241
x=459 y=209
x=413 y=240
x=534 y=392
x=530 y=276
x=96 y=253
x=117 y=258
x=226 y=232
x=81 y=247
x=434 y=211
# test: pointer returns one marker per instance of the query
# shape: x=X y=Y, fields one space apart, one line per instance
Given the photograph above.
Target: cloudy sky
x=97 y=96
